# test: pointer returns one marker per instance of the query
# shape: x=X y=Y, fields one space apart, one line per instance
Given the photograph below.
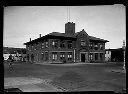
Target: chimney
x=70 y=28
x=40 y=35
x=30 y=39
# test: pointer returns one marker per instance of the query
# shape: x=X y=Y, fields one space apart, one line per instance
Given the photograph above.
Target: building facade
x=18 y=54
x=114 y=55
x=68 y=47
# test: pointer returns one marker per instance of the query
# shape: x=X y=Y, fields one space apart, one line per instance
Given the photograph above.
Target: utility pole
x=124 y=53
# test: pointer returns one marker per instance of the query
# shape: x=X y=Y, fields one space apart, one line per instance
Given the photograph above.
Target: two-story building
x=66 y=47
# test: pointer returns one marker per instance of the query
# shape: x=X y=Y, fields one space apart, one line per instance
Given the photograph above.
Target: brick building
x=66 y=47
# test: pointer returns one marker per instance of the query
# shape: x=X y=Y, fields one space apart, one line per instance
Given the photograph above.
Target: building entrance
x=84 y=57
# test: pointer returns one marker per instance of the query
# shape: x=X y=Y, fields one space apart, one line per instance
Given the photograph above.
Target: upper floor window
x=69 y=44
x=96 y=46
x=46 y=44
x=55 y=43
x=83 y=43
x=101 y=46
x=62 y=44
x=91 y=45
x=35 y=47
x=42 y=45
x=32 y=47
x=28 y=47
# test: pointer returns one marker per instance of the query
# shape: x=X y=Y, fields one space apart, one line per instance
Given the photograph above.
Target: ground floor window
x=91 y=56
x=54 y=56
x=46 y=56
x=101 y=56
x=69 y=55
x=32 y=57
x=96 y=56
x=62 y=55
x=27 y=57
x=42 y=56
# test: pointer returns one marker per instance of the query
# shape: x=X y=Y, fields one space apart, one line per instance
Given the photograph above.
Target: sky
x=103 y=21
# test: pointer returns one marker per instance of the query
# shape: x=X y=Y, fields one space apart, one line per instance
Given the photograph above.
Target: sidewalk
x=27 y=84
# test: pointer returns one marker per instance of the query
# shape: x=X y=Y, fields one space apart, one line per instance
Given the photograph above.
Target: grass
x=80 y=77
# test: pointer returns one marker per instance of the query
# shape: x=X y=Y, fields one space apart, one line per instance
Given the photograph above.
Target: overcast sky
x=23 y=22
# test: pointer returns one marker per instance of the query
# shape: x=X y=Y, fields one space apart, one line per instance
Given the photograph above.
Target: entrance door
x=32 y=57
x=82 y=57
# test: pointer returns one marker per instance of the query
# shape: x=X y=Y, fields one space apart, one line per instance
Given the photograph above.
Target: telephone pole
x=124 y=53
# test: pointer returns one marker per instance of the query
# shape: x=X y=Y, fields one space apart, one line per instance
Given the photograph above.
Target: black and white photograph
x=64 y=48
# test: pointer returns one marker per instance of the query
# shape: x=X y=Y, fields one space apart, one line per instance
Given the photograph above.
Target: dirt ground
x=79 y=77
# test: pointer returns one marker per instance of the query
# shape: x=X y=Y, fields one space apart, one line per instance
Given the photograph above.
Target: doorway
x=82 y=57
x=32 y=58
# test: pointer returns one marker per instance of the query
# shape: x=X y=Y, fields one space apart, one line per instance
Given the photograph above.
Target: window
x=96 y=46
x=28 y=48
x=32 y=47
x=27 y=57
x=62 y=44
x=54 y=56
x=101 y=56
x=69 y=55
x=96 y=56
x=69 y=44
x=54 y=43
x=46 y=56
x=42 y=56
x=46 y=44
x=91 y=57
x=83 y=43
x=62 y=55
x=91 y=45
x=36 y=46
x=42 y=44
x=101 y=46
